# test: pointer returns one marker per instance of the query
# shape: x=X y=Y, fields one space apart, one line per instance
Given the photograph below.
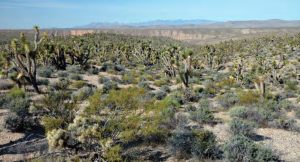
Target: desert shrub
x=177 y=96
x=241 y=148
x=227 y=100
x=16 y=123
x=237 y=85
x=19 y=119
x=3 y=99
x=285 y=95
x=128 y=79
x=103 y=80
x=79 y=84
x=119 y=68
x=165 y=89
x=185 y=143
x=75 y=77
x=5 y=84
x=115 y=79
x=74 y=69
x=239 y=112
x=61 y=85
x=149 y=95
x=42 y=81
x=211 y=88
x=144 y=85
x=19 y=106
x=190 y=108
x=284 y=123
x=161 y=82
x=160 y=95
x=83 y=93
x=226 y=82
x=286 y=105
x=248 y=98
x=291 y=86
x=44 y=72
x=16 y=93
x=203 y=114
x=63 y=74
x=109 y=86
x=93 y=71
x=241 y=128
x=149 y=78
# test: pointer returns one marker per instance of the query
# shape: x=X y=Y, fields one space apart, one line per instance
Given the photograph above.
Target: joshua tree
x=25 y=61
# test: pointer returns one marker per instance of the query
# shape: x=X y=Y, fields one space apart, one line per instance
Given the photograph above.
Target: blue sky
x=70 y=13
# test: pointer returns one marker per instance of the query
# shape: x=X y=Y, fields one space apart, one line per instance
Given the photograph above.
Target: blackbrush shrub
x=241 y=128
x=239 y=112
x=42 y=81
x=227 y=100
x=119 y=68
x=93 y=71
x=63 y=74
x=297 y=113
x=19 y=106
x=5 y=84
x=149 y=95
x=144 y=85
x=13 y=122
x=203 y=114
x=165 y=88
x=3 y=99
x=284 y=123
x=103 y=80
x=44 y=72
x=190 y=108
x=185 y=143
x=61 y=85
x=109 y=86
x=160 y=95
x=16 y=93
x=126 y=79
x=242 y=149
x=74 y=69
x=75 y=77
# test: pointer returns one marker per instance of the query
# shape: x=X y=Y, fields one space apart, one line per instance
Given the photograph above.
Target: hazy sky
x=70 y=13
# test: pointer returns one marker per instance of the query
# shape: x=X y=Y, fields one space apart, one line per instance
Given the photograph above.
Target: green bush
x=74 y=69
x=63 y=74
x=239 y=112
x=42 y=81
x=144 y=85
x=16 y=93
x=248 y=98
x=61 y=85
x=75 y=77
x=51 y=123
x=241 y=128
x=83 y=93
x=241 y=148
x=3 y=99
x=227 y=100
x=19 y=106
x=185 y=143
x=160 y=95
x=79 y=84
x=203 y=114
x=44 y=72
x=165 y=88
x=291 y=86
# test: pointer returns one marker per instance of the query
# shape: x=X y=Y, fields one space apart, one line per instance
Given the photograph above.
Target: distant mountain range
x=148 y=23
x=193 y=24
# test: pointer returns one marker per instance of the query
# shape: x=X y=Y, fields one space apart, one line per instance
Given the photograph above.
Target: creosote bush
x=75 y=77
x=241 y=128
x=63 y=74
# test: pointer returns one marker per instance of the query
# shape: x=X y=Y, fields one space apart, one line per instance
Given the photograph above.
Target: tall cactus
x=25 y=63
